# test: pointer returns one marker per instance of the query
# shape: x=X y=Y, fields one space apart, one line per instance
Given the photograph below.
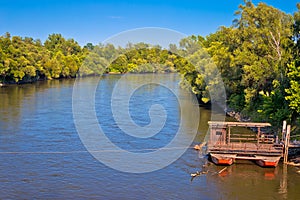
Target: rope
x=85 y=151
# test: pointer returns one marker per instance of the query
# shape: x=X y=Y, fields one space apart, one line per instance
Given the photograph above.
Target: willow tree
x=265 y=35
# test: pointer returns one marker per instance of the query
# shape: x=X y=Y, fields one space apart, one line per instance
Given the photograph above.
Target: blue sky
x=94 y=21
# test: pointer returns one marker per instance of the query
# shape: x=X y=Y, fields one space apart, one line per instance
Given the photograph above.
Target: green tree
x=293 y=92
x=93 y=65
x=265 y=33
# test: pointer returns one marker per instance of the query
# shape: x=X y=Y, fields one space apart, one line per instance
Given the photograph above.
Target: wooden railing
x=263 y=138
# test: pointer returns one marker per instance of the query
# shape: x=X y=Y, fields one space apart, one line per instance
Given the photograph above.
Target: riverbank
x=7 y=83
x=237 y=115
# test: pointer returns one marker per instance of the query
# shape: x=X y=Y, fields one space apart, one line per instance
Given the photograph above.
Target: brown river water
x=42 y=156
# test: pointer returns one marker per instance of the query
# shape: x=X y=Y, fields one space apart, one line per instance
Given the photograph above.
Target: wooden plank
x=246 y=154
x=247 y=135
x=242 y=151
x=243 y=139
x=252 y=145
x=254 y=157
x=292 y=136
x=247 y=148
x=294 y=145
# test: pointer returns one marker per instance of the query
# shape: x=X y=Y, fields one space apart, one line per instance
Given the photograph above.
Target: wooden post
x=224 y=133
x=286 y=144
x=228 y=134
x=258 y=135
x=283 y=131
x=210 y=134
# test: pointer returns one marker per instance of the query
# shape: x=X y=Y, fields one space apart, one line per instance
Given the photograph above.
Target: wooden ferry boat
x=225 y=145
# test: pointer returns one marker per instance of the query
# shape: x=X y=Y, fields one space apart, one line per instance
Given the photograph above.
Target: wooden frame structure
x=259 y=146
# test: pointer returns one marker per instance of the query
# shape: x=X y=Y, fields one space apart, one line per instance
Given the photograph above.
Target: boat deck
x=247 y=149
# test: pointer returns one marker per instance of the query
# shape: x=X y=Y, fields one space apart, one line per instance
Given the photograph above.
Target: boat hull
x=221 y=159
x=268 y=162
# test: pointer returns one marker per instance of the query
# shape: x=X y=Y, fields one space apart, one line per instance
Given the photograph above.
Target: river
x=43 y=157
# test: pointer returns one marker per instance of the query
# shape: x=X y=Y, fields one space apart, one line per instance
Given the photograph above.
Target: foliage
x=293 y=92
x=253 y=56
x=258 y=58
x=26 y=59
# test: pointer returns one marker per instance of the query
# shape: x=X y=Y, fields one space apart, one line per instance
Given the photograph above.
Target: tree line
x=257 y=57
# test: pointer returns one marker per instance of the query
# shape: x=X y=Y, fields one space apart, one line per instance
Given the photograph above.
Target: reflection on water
x=18 y=101
x=249 y=181
x=37 y=118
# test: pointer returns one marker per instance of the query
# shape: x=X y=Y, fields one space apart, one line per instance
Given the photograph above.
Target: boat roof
x=241 y=124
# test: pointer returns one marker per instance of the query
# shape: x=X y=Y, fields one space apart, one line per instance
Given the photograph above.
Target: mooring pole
x=283 y=131
x=286 y=144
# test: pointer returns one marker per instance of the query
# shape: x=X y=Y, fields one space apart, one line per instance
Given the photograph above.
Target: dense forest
x=257 y=56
